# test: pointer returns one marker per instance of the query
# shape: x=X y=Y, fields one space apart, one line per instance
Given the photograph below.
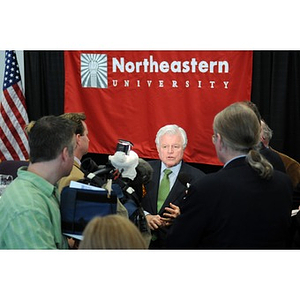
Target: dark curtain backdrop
x=275 y=90
x=44 y=83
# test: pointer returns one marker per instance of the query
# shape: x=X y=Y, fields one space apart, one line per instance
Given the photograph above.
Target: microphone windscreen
x=144 y=171
x=184 y=178
x=88 y=165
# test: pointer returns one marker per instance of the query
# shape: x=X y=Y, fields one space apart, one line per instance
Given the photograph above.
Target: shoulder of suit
x=191 y=168
x=155 y=162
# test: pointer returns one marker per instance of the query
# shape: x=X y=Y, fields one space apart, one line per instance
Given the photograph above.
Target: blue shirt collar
x=175 y=169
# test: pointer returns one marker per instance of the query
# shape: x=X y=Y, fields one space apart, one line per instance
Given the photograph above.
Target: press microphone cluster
x=94 y=174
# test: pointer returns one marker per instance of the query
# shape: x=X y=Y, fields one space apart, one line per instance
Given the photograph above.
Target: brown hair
x=77 y=118
x=112 y=232
x=48 y=136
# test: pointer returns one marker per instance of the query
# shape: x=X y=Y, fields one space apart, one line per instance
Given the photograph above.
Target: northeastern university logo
x=187 y=72
x=94 y=70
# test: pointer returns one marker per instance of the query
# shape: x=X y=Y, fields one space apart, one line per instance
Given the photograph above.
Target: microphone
x=103 y=171
x=143 y=176
x=95 y=180
x=93 y=172
x=185 y=179
x=88 y=165
x=95 y=177
x=144 y=171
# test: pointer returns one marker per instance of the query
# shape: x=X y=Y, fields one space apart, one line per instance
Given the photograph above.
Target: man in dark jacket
x=171 y=142
x=245 y=205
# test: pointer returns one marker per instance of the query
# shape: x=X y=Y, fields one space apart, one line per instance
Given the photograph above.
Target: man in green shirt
x=29 y=207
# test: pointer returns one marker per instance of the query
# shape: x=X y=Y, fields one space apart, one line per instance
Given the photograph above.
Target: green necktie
x=164 y=189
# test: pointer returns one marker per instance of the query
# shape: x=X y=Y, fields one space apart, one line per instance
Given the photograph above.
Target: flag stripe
x=9 y=136
x=13 y=129
x=19 y=103
x=9 y=150
x=15 y=120
x=13 y=115
x=4 y=154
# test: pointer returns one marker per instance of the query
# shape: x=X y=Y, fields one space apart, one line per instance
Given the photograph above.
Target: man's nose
x=170 y=148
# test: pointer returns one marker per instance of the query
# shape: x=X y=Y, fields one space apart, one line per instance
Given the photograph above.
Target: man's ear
x=219 y=142
x=77 y=137
x=65 y=154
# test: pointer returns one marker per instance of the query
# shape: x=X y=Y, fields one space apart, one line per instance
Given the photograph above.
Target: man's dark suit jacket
x=176 y=195
x=235 y=209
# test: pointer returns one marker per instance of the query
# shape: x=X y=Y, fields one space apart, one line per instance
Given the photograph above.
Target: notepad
x=83 y=186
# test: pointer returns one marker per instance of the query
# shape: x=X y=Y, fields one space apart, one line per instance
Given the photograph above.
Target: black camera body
x=124 y=146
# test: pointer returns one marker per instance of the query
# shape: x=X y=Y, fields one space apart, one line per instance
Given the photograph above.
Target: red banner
x=131 y=94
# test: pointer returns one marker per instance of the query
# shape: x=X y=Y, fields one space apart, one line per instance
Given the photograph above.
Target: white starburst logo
x=94 y=70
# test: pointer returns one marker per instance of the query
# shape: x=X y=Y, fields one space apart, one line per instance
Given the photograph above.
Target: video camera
x=128 y=175
x=124 y=164
x=98 y=175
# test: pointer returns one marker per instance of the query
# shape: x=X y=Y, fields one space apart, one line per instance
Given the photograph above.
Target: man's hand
x=154 y=221
x=171 y=214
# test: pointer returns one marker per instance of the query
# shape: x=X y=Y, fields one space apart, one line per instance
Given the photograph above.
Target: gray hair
x=239 y=129
x=172 y=130
x=266 y=131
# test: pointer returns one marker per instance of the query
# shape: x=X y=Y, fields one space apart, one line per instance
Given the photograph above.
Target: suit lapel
x=155 y=185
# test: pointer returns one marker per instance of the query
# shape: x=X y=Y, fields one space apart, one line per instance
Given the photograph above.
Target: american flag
x=13 y=114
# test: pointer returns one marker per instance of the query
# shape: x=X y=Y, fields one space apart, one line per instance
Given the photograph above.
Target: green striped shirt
x=30 y=214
